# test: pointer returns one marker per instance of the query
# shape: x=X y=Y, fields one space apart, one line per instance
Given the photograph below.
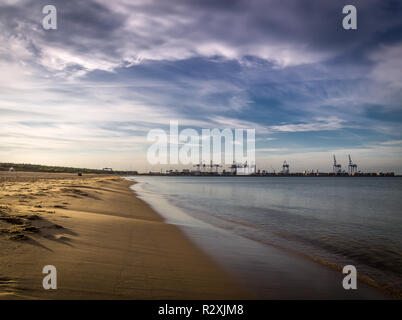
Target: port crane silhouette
x=285 y=168
x=337 y=167
x=352 y=167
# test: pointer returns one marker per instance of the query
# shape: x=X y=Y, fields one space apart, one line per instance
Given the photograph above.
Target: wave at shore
x=260 y=224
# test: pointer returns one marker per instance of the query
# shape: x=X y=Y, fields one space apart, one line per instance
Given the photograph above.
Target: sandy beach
x=105 y=243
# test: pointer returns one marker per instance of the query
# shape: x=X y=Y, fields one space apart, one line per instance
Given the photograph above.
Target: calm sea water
x=337 y=220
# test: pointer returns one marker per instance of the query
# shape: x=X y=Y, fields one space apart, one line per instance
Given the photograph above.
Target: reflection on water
x=338 y=220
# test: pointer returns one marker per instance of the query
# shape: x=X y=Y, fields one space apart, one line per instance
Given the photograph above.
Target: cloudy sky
x=88 y=93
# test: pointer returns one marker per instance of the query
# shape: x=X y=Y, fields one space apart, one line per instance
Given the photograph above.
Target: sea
x=332 y=221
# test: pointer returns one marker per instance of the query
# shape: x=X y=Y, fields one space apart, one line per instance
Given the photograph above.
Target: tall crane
x=337 y=168
x=285 y=168
x=212 y=166
x=217 y=166
x=233 y=168
x=352 y=167
x=201 y=167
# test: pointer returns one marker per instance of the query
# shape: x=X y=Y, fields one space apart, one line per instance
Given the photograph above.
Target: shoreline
x=105 y=242
x=293 y=283
x=113 y=243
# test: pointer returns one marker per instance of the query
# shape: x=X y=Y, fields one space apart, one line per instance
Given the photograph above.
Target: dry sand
x=104 y=242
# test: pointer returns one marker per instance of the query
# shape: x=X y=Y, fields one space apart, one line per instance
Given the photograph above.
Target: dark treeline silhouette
x=56 y=169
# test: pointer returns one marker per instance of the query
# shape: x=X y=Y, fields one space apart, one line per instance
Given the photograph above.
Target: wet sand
x=104 y=242
x=266 y=270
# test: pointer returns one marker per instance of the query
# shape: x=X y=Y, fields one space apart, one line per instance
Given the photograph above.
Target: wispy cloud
x=114 y=70
x=317 y=125
x=392 y=142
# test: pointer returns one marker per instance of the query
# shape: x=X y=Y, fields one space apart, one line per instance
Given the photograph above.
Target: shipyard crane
x=337 y=168
x=200 y=167
x=211 y=166
x=217 y=166
x=285 y=168
x=352 y=167
x=233 y=168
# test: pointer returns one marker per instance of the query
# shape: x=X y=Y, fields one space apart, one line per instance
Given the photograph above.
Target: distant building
x=245 y=170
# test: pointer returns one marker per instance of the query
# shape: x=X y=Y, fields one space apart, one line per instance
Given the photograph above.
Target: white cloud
x=388 y=65
x=392 y=142
x=271 y=149
x=58 y=59
x=319 y=124
x=148 y=34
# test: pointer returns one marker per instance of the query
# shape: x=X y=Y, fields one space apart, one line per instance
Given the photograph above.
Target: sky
x=88 y=93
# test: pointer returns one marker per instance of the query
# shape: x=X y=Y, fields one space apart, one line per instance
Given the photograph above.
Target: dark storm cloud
x=87 y=20
x=285 y=32
x=315 y=24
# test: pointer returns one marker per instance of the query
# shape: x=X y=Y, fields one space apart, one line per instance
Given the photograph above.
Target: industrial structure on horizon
x=245 y=169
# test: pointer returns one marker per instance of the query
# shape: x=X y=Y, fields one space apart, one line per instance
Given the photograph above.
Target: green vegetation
x=55 y=169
